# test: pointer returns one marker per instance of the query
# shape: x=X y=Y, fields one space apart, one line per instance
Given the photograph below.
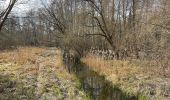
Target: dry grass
x=113 y=70
x=33 y=66
x=123 y=68
x=20 y=55
x=128 y=74
x=28 y=58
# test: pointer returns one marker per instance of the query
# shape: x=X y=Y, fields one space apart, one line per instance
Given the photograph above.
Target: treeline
x=132 y=26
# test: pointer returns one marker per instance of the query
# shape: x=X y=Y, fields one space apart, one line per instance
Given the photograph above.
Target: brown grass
x=127 y=74
x=27 y=57
x=113 y=70
x=42 y=65
x=123 y=68
x=20 y=55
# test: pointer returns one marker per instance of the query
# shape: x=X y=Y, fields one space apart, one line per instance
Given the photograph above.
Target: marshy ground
x=32 y=73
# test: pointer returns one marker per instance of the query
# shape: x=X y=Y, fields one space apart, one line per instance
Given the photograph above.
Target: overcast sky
x=22 y=6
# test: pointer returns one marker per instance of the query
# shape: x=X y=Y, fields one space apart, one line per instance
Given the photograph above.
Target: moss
x=60 y=74
x=77 y=82
x=142 y=97
x=57 y=91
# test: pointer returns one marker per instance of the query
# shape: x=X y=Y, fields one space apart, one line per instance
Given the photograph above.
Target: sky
x=22 y=6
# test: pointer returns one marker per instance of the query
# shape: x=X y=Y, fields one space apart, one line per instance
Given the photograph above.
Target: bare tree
x=5 y=13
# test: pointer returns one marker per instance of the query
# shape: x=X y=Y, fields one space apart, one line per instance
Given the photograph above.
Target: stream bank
x=95 y=85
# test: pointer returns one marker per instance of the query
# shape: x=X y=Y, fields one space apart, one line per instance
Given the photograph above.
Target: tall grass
x=20 y=55
x=112 y=69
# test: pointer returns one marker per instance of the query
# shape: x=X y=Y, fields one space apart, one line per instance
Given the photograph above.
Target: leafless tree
x=6 y=12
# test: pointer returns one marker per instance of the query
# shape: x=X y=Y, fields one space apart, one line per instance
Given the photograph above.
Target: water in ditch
x=95 y=85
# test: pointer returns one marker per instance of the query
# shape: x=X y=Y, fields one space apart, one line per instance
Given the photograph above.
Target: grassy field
x=31 y=73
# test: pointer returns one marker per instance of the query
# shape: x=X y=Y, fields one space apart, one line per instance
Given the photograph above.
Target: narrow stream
x=96 y=86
